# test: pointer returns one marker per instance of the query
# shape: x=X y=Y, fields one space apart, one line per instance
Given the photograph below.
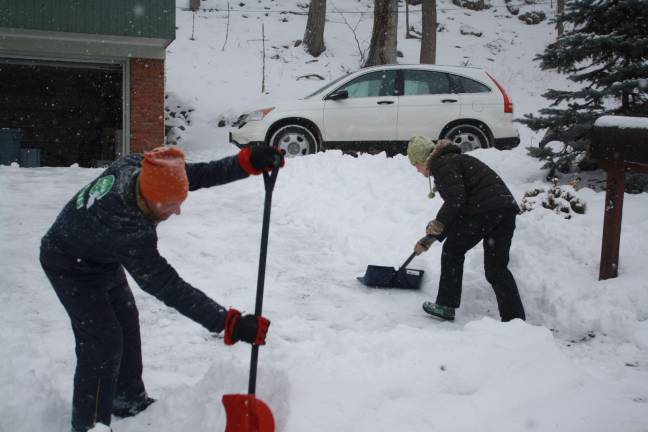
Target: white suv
x=380 y=108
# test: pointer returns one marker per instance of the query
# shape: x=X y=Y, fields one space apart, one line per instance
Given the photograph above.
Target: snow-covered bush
x=563 y=200
x=533 y=17
x=473 y=4
x=177 y=118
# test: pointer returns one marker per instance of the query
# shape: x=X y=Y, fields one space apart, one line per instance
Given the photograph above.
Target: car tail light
x=508 y=106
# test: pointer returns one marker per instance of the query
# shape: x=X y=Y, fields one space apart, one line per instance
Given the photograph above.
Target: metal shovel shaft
x=269 y=182
x=246 y=413
x=407 y=261
x=411 y=257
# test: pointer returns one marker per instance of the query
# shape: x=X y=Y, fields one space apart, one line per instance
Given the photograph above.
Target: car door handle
x=449 y=100
x=385 y=102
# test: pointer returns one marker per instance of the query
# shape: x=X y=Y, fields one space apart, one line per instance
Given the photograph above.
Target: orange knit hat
x=163 y=178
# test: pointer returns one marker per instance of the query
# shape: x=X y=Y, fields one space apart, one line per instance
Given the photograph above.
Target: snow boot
x=125 y=408
x=86 y=430
x=438 y=311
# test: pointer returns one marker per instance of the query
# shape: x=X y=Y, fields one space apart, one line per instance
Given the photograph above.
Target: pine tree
x=604 y=49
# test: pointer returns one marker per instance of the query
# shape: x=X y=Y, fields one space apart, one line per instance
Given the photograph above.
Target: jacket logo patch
x=100 y=189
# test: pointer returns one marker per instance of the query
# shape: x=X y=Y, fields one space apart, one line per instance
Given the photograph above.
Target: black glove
x=254 y=160
x=248 y=328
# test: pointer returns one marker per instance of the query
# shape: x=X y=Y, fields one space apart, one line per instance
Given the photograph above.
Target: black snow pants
x=105 y=322
x=496 y=229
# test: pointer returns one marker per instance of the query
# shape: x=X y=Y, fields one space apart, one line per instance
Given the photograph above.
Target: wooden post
x=609 y=267
x=620 y=144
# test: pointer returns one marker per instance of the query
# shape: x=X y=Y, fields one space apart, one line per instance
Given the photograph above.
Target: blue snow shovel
x=246 y=413
x=389 y=277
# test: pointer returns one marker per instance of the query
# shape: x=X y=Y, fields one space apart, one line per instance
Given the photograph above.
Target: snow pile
x=371 y=357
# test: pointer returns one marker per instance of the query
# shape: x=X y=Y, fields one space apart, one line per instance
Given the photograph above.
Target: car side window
x=373 y=84
x=420 y=82
x=467 y=85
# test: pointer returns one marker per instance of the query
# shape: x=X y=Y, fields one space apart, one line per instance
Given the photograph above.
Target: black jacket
x=102 y=227
x=466 y=184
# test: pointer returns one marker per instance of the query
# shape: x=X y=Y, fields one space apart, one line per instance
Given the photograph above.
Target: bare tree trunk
x=382 y=49
x=314 y=34
x=392 y=29
x=561 y=9
x=407 y=31
x=428 y=41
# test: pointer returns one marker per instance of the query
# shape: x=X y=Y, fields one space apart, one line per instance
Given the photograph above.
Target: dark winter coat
x=466 y=184
x=102 y=228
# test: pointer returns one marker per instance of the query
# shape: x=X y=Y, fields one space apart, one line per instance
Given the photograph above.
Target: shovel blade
x=246 y=413
x=389 y=277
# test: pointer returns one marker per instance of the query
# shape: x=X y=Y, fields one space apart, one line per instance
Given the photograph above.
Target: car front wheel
x=468 y=137
x=295 y=140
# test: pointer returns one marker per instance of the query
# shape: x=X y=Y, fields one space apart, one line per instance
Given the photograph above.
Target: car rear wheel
x=295 y=140
x=468 y=137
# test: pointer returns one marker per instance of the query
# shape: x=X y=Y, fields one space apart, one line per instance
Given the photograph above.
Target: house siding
x=141 y=18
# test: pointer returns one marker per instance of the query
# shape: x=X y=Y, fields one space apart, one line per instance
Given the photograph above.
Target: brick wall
x=146 y=104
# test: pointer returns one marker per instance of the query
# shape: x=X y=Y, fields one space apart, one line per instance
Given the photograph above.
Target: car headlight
x=258 y=114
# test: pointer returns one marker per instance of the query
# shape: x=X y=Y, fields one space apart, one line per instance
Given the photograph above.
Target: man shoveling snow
x=110 y=227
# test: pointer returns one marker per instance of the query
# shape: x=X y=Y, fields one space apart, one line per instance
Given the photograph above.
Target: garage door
x=60 y=113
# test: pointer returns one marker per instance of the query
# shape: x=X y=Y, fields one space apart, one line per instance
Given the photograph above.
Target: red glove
x=248 y=328
x=254 y=160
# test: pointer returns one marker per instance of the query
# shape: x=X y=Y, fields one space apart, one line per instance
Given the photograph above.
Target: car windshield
x=321 y=89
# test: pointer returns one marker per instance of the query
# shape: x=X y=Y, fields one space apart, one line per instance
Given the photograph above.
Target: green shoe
x=444 y=313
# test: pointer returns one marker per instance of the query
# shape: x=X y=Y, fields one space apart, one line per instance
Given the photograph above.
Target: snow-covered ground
x=341 y=356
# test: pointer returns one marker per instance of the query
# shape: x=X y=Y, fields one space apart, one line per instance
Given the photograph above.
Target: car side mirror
x=337 y=95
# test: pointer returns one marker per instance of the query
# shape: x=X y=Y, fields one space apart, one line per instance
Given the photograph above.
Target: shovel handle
x=269 y=182
x=407 y=261
x=411 y=257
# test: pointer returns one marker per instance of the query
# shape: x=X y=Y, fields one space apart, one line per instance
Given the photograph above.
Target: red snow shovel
x=246 y=413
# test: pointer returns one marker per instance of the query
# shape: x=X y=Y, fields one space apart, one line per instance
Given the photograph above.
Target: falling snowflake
x=139 y=10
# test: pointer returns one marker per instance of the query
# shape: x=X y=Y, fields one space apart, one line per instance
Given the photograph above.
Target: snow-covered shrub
x=473 y=4
x=533 y=17
x=177 y=118
x=470 y=30
x=563 y=200
x=514 y=9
